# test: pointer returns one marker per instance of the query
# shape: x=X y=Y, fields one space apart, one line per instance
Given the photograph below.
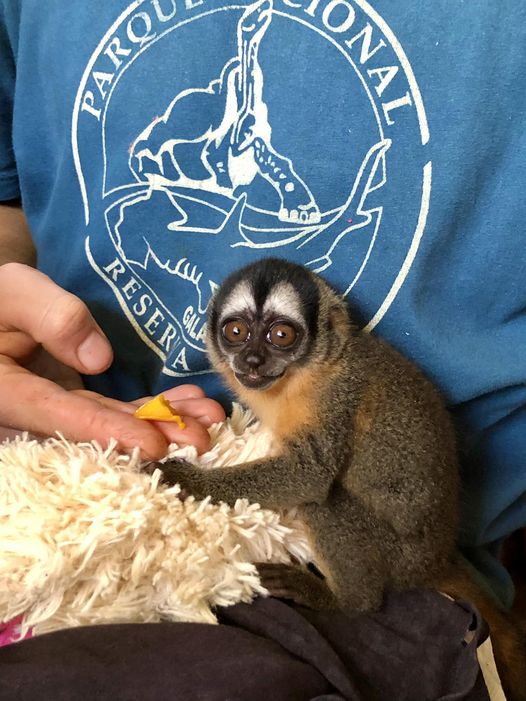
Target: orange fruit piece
x=159 y=409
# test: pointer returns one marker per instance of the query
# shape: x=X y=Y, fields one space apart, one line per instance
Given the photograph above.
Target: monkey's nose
x=254 y=360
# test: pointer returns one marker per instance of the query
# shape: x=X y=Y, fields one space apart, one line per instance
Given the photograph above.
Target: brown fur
x=368 y=456
x=508 y=641
x=366 y=412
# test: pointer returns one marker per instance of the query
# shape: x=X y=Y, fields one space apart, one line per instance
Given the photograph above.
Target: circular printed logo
x=206 y=136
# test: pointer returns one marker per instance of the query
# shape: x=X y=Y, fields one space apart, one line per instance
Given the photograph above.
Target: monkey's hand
x=179 y=471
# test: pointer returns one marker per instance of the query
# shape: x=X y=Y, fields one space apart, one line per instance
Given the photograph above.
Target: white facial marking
x=283 y=300
x=239 y=300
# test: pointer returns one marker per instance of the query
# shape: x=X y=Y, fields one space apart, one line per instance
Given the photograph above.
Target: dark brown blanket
x=420 y=647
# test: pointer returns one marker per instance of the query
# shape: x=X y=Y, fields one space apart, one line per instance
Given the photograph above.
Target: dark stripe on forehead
x=264 y=277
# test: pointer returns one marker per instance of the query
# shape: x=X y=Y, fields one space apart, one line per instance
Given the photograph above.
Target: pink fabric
x=9 y=632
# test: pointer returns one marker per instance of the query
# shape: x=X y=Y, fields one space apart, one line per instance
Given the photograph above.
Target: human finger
x=194 y=433
x=186 y=391
x=58 y=320
x=38 y=405
x=207 y=411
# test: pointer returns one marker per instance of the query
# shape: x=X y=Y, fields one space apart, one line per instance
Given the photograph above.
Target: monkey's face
x=260 y=350
x=263 y=326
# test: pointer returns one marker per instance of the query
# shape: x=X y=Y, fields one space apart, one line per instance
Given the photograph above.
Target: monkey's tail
x=508 y=641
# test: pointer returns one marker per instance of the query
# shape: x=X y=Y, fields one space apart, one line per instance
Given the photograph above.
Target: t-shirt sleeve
x=9 y=187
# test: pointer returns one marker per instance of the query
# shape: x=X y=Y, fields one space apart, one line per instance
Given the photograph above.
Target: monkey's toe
x=176 y=471
x=296 y=584
x=150 y=468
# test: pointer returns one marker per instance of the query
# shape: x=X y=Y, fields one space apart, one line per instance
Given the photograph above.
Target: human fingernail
x=94 y=352
x=205 y=420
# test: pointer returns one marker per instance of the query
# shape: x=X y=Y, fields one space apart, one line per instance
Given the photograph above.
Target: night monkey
x=366 y=450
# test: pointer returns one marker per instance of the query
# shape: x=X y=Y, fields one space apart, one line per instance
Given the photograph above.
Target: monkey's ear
x=340 y=321
x=339 y=318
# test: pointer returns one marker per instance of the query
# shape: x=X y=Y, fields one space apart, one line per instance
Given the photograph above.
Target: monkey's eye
x=282 y=335
x=235 y=331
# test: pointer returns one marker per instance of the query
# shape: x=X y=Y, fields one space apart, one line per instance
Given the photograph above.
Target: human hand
x=189 y=401
x=47 y=331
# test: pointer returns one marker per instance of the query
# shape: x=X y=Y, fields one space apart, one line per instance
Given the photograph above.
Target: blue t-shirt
x=159 y=144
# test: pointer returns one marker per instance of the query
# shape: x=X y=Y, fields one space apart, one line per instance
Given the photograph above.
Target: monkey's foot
x=297 y=584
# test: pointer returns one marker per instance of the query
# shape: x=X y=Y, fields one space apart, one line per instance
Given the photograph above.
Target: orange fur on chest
x=291 y=405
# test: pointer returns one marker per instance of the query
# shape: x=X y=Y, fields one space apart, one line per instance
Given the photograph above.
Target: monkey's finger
x=183 y=495
x=271 y=568
x=49 y=315
x=275 y=587
x=280 y=592
x=273 y=578
x=151 y=467
x=274 y=582
x=277 y=593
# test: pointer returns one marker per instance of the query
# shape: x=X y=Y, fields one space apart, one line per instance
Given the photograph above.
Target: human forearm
x=16 y=244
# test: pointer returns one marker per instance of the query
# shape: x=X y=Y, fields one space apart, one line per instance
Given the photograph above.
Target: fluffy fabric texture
x=86 y=538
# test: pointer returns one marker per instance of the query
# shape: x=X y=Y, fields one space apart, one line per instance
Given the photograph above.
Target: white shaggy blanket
x=86 y=538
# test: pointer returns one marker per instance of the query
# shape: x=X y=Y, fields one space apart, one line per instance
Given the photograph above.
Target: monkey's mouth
x=253 y=380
